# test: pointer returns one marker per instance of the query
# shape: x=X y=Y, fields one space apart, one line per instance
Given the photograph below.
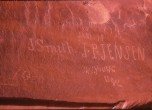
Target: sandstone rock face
x=77 y=51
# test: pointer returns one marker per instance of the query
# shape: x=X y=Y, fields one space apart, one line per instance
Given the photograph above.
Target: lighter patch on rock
x=97 y=13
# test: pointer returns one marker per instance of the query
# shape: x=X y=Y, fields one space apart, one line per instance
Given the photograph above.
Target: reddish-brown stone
x=77 y=51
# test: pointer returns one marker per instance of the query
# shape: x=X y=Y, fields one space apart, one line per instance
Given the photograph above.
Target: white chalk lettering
x=118 y=51
x=103 y=56
x=31 y=47
x=127 y=53
x=133 y=52
x=141 y=53
x=110 y=52
x=95 y=51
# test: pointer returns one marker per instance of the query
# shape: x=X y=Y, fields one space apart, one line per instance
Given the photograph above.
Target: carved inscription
x=39 y=45
x=100 y=69
x=101 y=51
x=115 y=52
x=114 y=82
x=93 y=39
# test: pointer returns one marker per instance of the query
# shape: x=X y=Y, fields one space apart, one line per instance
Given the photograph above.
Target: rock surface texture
x=92 y=52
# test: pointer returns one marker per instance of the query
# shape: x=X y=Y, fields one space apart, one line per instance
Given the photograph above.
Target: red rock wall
x=77 y=51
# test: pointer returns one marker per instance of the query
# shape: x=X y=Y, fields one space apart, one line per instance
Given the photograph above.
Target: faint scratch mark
x=71 y=14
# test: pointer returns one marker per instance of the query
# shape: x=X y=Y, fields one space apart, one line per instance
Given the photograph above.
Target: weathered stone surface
x=77 y=51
